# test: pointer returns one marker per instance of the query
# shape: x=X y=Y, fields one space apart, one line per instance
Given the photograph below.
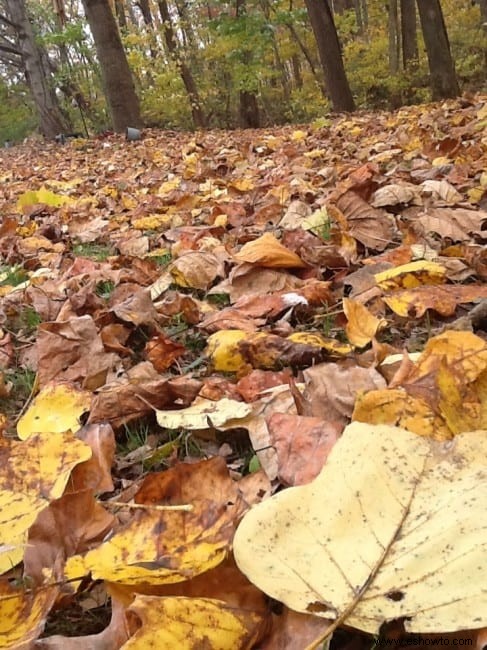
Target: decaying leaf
x=399 y=536
x=167 y=546
x=23 y=614
x=187 y=623
x=35 y=473
x=203 y=414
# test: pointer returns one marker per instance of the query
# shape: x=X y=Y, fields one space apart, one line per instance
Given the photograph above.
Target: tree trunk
x=339 y=6
x=35 y=64
x=120 y=11
x=409 y=37
x=296 y=65
x=199 y=118
x=249 y=106
x=122 y=99
x=326 y=37
x=394 y=43
x=483 y=10
x=146 y=12
x=444 y=82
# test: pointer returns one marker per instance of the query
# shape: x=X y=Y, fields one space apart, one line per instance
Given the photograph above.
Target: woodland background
x=211 y=63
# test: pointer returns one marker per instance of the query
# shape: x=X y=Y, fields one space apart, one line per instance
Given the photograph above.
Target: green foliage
x=12 y=276
x=259 y=51
x=93 y=250
x=17 y=117
x=104 y=289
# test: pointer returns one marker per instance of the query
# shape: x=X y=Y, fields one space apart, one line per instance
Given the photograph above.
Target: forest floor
x=233 y=300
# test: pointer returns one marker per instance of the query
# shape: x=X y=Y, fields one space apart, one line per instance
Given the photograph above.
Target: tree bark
x=326 y=36
x=122 y=99
x=199 y=117
x=443 y=79
x=409 y=37
x=120 y=11
x=339 y=6
x=394 y=43
x=249 y=106
x=35 y=65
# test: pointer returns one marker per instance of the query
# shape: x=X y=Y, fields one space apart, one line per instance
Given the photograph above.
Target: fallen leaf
x=203 y=414
x=362 y=325
x=268 y=252
x=55 y=409
x=406 y=508
x=302 y=445
x=188 y=623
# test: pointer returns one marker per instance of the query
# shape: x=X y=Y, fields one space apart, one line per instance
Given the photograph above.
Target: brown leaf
x=73 y=351
x=302 y=445
x=372 y=227
x=332 y=388
x=162 y=352
x=129 y=399
x=70 y=525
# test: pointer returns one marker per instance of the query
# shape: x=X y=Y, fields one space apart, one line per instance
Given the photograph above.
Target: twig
x=144 y=506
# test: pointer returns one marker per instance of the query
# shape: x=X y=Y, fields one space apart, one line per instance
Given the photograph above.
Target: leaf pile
x=191 y=322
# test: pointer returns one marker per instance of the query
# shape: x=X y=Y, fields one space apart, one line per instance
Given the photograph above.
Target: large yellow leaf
x=35 y=472
x=43 y=196
x=190 y=623
x=168 y=546
x=23 y=614
x=393 y=527
x=57 y=408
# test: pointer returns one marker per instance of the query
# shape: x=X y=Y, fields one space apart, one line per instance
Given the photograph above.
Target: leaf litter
x=189 y=324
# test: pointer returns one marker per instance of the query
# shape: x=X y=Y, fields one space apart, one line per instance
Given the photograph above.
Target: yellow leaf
x=411 y=275
x=298 y=136
x=38 y=471
x=418 y=511
x=163 y=546
x=12 y=552
x=203 y=414
x=395 y=406
x=152 y=222
x=316 y=340
x=23 y=614
x=243 y=184
x=267 y=251
x=43 y=196
x=362 y=325
x=222 y=349
x=57 y=408
x=190 y=623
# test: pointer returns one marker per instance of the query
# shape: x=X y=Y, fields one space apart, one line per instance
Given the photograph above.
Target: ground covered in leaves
x=189 y=324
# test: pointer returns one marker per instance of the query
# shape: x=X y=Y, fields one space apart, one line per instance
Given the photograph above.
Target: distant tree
x=36 y=68
x=339 y=6
x=326 y=36
x=199 y=117
x=409 y=37
x=119 y=88
x=443 y=79
x=248 y=104
x=394 y=42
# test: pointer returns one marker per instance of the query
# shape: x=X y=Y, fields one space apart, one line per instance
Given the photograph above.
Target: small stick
x=144 y=506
